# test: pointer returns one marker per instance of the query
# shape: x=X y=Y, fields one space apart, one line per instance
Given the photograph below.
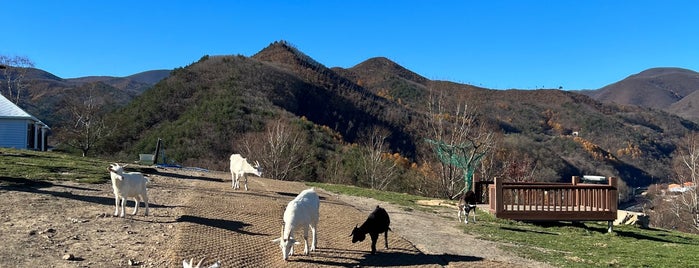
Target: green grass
x=588 y=244
x=50 y=166
x=405 y=200
x=565 y=244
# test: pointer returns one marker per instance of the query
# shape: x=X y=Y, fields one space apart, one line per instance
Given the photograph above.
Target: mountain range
x=629 y=129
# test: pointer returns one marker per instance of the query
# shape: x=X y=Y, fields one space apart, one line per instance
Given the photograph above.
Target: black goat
x=467 y=202
x=376 y=223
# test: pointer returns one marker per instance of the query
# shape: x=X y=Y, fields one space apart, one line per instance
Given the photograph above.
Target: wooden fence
x=554 y=201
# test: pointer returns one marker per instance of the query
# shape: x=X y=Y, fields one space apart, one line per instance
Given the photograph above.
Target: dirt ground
x=196 y=214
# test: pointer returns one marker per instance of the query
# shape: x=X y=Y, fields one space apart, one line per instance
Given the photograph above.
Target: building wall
x=13 y=133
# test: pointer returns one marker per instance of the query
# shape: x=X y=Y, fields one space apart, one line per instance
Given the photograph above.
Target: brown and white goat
x=467 y=202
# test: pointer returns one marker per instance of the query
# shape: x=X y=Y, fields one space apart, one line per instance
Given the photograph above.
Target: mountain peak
x=382 y=65
x=285 y=53
x=662 y=71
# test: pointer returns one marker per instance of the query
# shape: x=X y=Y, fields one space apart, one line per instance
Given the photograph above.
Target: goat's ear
x=276 y=241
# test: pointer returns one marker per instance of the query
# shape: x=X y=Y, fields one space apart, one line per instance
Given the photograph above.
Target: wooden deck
x=554 y=201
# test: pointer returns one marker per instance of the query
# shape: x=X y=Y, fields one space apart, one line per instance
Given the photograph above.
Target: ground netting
x=236 y=227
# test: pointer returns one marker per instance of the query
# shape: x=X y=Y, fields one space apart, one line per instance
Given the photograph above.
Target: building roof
x=9 y=110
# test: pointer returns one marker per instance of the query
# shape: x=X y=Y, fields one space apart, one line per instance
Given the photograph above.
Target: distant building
x=19 y=129
x=680 y=188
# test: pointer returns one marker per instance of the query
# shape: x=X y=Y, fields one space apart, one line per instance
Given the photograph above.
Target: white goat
x=189 y=264
x=240 y=168
x=302 y=212
x=127 y=185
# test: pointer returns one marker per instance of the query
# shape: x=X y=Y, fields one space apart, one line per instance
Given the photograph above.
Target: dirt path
x=197 y=214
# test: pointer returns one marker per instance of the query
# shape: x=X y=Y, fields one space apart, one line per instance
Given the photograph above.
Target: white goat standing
x=189 y=264
x=240 y=168
x=302 y=212
x=126 y=185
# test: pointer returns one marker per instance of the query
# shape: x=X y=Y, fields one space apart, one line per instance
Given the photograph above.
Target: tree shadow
x=36 y=187
x=187 y=177
x=235 y=226
x=652 y=238
x=527 y=231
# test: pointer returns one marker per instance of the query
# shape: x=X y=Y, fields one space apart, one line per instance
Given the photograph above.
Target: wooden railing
x=554 y=201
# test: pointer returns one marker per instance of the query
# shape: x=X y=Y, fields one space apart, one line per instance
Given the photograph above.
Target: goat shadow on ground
x=394 y=259
x=32 y=186
x=235 y=226
x=296 y=194
x=187 y=177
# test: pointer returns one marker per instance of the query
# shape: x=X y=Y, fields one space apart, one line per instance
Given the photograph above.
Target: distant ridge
x=658 y=88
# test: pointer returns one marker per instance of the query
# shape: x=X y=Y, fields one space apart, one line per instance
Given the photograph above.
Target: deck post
x=498 y=195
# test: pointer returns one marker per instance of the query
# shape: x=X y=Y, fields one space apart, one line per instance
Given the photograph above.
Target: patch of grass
x=50 y=166
x=564 y=244
x=588 y=244
x=405 y=200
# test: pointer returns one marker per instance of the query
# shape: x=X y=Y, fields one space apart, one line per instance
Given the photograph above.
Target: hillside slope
x=658 y=88
x=204 y=111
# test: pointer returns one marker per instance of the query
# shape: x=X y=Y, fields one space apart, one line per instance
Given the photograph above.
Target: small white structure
x=240 y=168
x=594 y=179
x=19 y=129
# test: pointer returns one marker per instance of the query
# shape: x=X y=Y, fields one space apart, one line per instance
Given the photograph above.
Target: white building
x=19 y=129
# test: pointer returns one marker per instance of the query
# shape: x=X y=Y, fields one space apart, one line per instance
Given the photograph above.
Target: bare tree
x=282 y=150
x=687 y=172
x=379 y=170
x=455 y=128
x=87 y=125
x=14 y=69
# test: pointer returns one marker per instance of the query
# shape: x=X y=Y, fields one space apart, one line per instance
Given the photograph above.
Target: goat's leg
x=116 y=206
x=385 y=239
x=245 y=176
x=458 y=214
x=135 y=208
x=123 y=203
x=305 y=240
x=374 y=237
x=467 y=210
x=474 y=214
x=144 y=199
x=313 y=237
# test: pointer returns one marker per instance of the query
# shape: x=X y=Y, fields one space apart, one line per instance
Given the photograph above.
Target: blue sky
x=494 y=44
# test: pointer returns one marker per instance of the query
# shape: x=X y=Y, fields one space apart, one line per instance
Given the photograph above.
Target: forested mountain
x=227 y=104
x=43 y=93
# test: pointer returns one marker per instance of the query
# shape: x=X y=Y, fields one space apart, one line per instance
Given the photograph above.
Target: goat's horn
x=199 y=264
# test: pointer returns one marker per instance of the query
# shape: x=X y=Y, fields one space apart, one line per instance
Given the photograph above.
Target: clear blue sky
x=583 y=44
